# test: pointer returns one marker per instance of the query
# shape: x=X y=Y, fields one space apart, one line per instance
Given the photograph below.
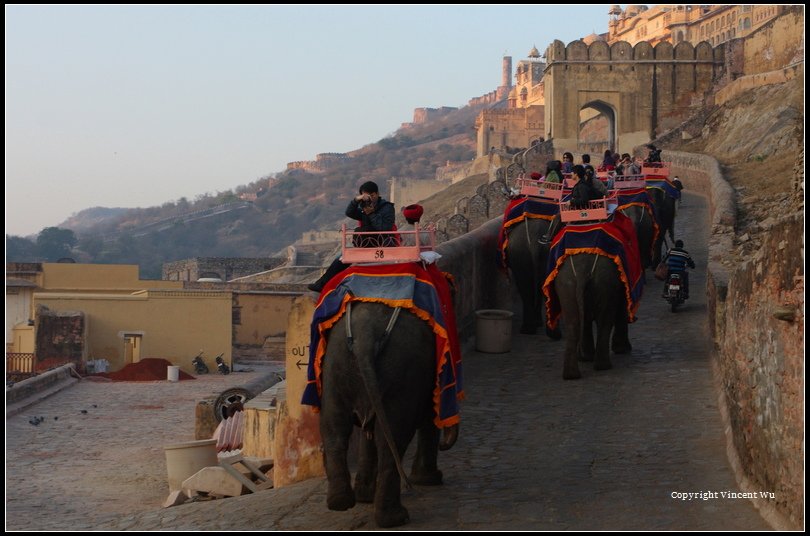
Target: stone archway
x=597 y=132
x=645 y=90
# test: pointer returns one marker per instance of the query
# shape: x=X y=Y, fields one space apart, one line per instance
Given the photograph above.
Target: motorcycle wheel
x=673 y=304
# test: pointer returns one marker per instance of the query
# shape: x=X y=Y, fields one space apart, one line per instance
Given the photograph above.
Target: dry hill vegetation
x=289 y=203
x=758 y=139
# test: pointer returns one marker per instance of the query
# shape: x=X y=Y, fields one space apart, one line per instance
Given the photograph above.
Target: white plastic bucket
x=185 y=459
x=173 y=373
x=493 y=331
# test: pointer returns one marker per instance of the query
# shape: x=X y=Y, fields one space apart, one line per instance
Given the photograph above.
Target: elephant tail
x=581 y=288
x=365 y=362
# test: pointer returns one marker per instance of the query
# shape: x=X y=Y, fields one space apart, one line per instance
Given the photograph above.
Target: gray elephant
x=384 y=384
x=586 y=285
x=527 y=260
x=526 y=228
x=664 y=204
x=645 y=231
x=589 y=289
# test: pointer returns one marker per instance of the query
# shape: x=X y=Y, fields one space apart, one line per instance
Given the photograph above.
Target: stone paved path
x=536 y=453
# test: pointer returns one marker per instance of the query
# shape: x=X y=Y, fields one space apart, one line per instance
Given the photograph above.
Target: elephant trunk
x=449 y=437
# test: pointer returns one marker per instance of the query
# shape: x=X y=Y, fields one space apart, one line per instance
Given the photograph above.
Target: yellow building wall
x=261 y=316
x=70 y=277
x=776 y=45
x=22 y=339
x=18 y=309
x=175 y=325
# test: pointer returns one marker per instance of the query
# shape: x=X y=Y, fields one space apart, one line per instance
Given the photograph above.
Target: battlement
x=322 y=162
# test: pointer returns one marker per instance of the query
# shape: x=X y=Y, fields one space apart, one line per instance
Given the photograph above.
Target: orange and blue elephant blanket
x=640 y=197
x=421 y=289
x=614 y=239
x=663 y=183
x=517 y=211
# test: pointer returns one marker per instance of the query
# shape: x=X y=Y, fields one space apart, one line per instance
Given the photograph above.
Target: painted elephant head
x=385 y=385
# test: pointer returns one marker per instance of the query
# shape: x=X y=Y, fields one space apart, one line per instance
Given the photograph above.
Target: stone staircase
x=273 y=349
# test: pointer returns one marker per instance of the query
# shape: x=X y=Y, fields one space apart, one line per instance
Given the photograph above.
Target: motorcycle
x=199 y=365
x=222 y=367
x=675 y=292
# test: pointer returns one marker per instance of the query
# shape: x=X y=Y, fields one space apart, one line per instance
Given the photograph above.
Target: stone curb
x=31 y=391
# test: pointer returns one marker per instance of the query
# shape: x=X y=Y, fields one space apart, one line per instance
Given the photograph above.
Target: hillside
x=758 y=139
x=288 y=203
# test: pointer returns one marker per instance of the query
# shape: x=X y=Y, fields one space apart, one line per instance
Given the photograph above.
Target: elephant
x=589 y=288
x=527 y=259
x=645 y=231
x=665 y=215
x=384 y=384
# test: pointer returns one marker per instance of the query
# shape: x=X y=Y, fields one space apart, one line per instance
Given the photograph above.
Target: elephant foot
x=622 y=348
x=427 y=478
x=601 y=364
x=392 y=517
x=554 y=334
x=340 y=500
x=528 y=330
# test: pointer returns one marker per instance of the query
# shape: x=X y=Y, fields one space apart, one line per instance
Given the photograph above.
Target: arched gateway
x=641 y=90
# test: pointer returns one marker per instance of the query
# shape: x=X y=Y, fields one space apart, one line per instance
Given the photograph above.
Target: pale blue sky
x=138 y=105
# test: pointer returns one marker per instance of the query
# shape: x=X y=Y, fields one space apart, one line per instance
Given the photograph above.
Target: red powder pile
x=146 y=370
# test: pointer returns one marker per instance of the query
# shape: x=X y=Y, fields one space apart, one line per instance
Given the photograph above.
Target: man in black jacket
x=374 y=214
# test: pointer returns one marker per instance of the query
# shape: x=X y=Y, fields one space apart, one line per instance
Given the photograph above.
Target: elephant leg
x=336 y=427
x=587 y=347
x=531 y=318
x=388 y=508
x=366 y=477
x=566 y=288
x=425 y=469
x=602 y=357
x=621 y=338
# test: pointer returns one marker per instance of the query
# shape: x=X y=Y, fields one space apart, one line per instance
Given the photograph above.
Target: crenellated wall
x=405 y=192
x=647 y=89
x=510 y=127
x=226 y=268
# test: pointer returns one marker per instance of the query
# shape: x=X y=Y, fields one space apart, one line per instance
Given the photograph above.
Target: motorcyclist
x=677 y=260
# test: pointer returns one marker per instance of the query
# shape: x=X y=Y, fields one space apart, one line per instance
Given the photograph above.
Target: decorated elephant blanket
x=422 y=290
x=614 y=239
x=640 y=197
x=663 y=183
x=517 y=211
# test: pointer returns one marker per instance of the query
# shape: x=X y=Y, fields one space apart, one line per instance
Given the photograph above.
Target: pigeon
x=95 y=406
x=84 y=411
x=56 y=418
